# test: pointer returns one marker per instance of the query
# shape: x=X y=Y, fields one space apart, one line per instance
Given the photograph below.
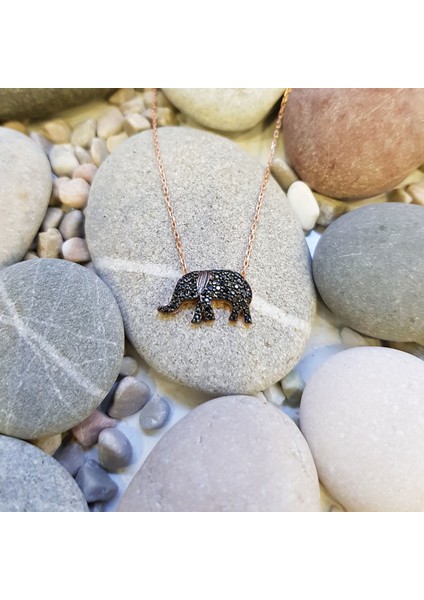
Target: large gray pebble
x=38 y=102
x=235 y=453
x=61 y=346
x=155 y=414
x=226 y=109
x=369 y=270
x=95 y=483
x=214 y=185
x=115 y=450
x=25 y=189
x=32 y=481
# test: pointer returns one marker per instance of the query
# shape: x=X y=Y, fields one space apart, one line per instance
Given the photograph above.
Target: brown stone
x=354 y=143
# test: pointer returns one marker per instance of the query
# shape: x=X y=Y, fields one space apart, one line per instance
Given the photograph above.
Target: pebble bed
x=105 y=451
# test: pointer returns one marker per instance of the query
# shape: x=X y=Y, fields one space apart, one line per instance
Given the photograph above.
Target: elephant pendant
x=205 y=286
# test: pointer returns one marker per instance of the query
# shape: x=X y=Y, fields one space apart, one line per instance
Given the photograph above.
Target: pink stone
x=87 y=432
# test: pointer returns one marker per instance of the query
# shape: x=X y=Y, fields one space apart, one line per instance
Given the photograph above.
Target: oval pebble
x=25 y=189
x=95 y=483
x=131 y=394
x=70 y=456
x=304 y=204
x=63 y=160
x=72 y=225
x=155 y=413
x=49 y=243
x=87 y=432
x=115 y=450
x=129 y=366
x=61 y=346
x=76 y=250
x=235 y=453
x=52 y=219
x=32 y=481
x=74 y=193
x=369 y=269
x=362 y=414
x=110 y=122
x=84 y=133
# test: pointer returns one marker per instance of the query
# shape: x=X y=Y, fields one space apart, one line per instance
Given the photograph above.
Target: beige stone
x=283 y=173
x=75 y=249
x=49 y=243
x=110 y=122
x=116 y=140
x=74 y=193
x=57 y=131
x=122 y=95
x=134 y=123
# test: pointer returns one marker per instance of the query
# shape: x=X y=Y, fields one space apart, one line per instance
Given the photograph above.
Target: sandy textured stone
x=61 y=343
x=354 y=143
x=362 y=414
x=214 y=186
x=25 y=188
x=234 y=453
x=226 y=109
x=369 y=269
x=38 y=102
x=32 y=481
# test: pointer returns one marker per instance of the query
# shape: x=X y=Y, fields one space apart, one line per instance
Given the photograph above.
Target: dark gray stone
x=70 y=456
x=61 y=346
x=25 y=189
x=155 y=414
x=32 y=481
x=214 y=185
x=115 y=450
x=369 y=269
x=95 y=483
x=39 y=102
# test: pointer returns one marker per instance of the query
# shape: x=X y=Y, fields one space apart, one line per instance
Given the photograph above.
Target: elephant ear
x=202 y=281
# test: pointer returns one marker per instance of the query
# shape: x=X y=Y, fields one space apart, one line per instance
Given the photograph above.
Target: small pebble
x=293 y=386
x=110 y=122
x=70 y=456
x=84 y=157
x=131 y=394
x=155 y=413
x=52 y=219
x=76 y=250
x=122 y=95
x=72 y=225
x=95 y=483
x=162 y=100
x=115 y=140
x=74 y=193
x=304 y=204
x=49 y=243
x=416 y=191
x=57 y=184
x=136 y=105
x=98 y=151
x=87 y=432
x=399 y=195
x=129 y=366
x=16 y=125
x=166 y=116
x=115 y=450
x=57 y=131
x=49 y=444
x=329 y=209
x=84 y=133
x=30 y=255
x=134 y=123
x=283 y=173
x=63 y=160
x=86 y=171
x=275 y=395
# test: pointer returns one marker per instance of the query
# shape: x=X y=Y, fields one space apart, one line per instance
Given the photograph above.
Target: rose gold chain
x=259 y=203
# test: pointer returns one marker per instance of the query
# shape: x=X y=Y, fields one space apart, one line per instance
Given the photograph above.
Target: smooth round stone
x=32 y=481
x=61 y=346
x=39 y=102
x=226 y=109
x=362 y=414
x=214 y=186
x=369 y=269
x=354 y=143
x=25 y=189
x=115 y=450
x=234 y=453
x=130 y=395
x=95 y=482
x=155 y=414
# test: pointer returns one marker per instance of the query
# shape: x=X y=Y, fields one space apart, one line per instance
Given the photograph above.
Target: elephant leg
x=246 y=312
x=208 y=314
x=198 y=313
x=235 y=312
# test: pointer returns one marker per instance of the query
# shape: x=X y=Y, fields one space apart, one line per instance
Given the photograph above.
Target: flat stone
x=70 y=456
x=155 y=413
x=362 y=415
x=354 y=143
x=61 y=343
x=369 y=269
x=214 y=185
x=25 y=188
x=95 y=483
x=32 y=481
x=131 y=394
x=234 y=453
x=115 y=450
x=87 y=433
x=226 y=109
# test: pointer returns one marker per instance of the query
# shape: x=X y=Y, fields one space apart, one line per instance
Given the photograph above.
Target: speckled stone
x=61 y=346
x=226 y=109
x=25 y=188
x=32 y=481
x=214 y=185
x=362 y=414
x=234 y=453
x=369 y=269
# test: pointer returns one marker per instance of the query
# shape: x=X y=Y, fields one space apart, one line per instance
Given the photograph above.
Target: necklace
x=217 y=284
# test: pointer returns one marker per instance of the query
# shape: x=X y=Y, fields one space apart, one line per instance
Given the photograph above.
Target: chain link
x=259 y=203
